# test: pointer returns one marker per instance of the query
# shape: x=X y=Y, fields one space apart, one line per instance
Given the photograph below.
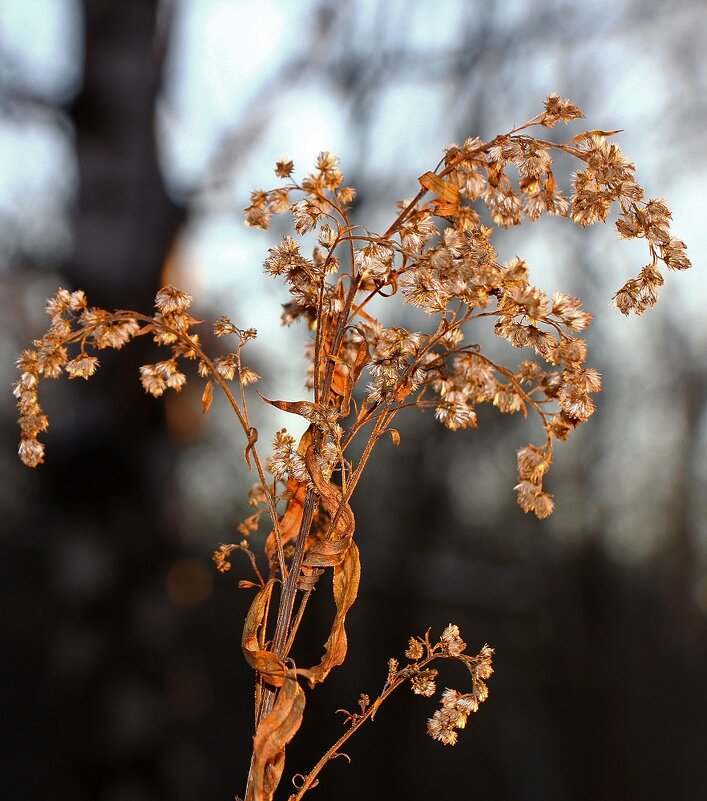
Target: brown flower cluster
x=77 y=326
x=50 y=358
x=437 y=255
x=455 y=706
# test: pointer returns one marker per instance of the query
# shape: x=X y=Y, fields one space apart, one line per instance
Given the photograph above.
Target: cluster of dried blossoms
x=455 y=707
x=436 y=255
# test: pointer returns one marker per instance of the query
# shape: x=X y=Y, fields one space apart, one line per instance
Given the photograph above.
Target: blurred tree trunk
x=126 y=222
x=113 y=632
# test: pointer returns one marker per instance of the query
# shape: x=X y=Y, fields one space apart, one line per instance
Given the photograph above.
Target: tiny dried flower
x=414 y=650
x=441 y=726
x=531 y=498
x=221 y=557
x=423 y=682
x=557 y=109
x=224 y=326
x=152 y=381
x=31 y=452
x=257 y=215
x=533 y=463
x=451 y=640
x=284 y=167
x=82 y=366
x=170 y=300
x=248 y=376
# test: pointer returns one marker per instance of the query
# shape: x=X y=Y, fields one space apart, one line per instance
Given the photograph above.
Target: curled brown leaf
x=252 y=439
x=343 y=522
x=346 y=580
x=266 y=663
x=291 y=519
x=273 y=734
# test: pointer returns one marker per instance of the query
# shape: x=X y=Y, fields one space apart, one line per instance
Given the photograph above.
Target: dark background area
x=121 y=672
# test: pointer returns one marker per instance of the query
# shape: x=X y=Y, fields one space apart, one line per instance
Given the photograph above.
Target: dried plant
x=437 y=255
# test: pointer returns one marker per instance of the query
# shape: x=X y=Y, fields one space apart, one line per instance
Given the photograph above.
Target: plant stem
x=359 y=720
x=286 y=604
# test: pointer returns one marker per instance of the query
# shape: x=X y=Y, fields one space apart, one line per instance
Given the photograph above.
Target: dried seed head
x=284 y=167
x=415 y=649
x=83 y=366
x=557 y=109
x=451 y=641
x=31 y=452
x=423 y=682
x=170 y=300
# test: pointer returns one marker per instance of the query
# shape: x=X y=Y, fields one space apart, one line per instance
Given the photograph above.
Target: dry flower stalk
x=437 y=255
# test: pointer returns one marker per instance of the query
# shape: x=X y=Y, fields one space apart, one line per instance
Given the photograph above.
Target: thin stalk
x=297 y=621
x=359 y=720
x=284 y=616
x=272 y=508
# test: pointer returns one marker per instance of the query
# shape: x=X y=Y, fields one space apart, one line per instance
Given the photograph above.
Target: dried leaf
x=266 y=663
x=275 y=731
x=305 y=409
x=308 y=577
x=353 y=374
x=340 y=377
x=362 y=358
x=305 y=441
x=207 y=397
x=291 y=519
x=326 y=553
x=595 y=132
x=346 y=579
x=252 y=439
x=395 y=436
x=446 y=190
x=404 y=390
x=332 y=500
x=448 y=202
x=340 y=551
x=345 y=376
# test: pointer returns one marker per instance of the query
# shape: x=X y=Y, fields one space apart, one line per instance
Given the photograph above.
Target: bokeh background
x=130 y=136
